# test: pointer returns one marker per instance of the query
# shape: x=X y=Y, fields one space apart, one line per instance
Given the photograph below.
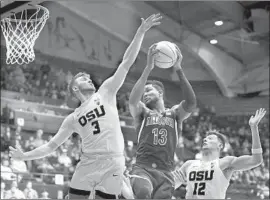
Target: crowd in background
x=39 y=79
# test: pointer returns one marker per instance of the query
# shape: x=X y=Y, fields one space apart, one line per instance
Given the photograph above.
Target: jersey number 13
x=160 y=136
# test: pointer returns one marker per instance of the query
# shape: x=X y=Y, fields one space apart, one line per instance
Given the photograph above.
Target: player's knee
x=142 y=190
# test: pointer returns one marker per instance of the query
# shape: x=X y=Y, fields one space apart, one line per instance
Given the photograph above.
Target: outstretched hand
x=151 y=21
x=255 y=120
x=16 y=153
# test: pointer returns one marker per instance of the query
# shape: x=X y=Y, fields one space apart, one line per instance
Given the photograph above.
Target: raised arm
x=247 y=162
x=114 y=83
x=61 y=136
x=189 y=103
x=135 y=105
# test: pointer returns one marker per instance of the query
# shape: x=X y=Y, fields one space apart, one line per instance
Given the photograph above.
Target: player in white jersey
x=209 y=177
x=100 y=171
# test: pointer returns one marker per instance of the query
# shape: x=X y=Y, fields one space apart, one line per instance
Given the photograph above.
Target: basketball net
x=20 y=34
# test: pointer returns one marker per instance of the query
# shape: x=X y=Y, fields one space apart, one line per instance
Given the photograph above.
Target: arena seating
x=23 y=99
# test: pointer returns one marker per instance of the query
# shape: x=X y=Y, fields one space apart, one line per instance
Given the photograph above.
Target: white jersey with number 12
x=205 y=180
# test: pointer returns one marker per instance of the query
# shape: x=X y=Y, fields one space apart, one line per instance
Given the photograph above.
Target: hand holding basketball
x=179 y=57
x=151 y=56
x=255 y=120
x=151 y=21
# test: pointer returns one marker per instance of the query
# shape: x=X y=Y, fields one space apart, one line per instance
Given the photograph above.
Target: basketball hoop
x=21 y=31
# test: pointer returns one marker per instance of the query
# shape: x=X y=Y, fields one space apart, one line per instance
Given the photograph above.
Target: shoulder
x=142 y=113
x=140 y=117
x=70 y=117
x=225 y=166
x=69 y=120
x=180 y=112
x=105 y=95
x=188 y=163
x=106 y=88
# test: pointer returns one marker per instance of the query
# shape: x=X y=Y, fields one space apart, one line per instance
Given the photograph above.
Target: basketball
x=167 y=55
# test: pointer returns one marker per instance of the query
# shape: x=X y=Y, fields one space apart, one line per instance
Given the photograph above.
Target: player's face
x=151 y=94
x=211 y=142
x=84 y=83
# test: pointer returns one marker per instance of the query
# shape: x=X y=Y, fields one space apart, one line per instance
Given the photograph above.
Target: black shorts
x=162 y=181
x=83 y=194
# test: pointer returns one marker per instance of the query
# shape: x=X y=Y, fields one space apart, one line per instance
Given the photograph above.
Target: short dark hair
x=220 y=136
x=71 y=83
x=157 y=84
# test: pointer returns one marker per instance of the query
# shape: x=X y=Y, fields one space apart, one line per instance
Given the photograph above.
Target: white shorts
x=103 y=173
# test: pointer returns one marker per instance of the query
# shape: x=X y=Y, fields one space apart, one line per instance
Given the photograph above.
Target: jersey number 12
x=199 y=189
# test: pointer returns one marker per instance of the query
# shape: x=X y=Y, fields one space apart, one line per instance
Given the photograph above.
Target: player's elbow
x=192 y=106
x=189 y=106
x=257 y=160
x=192 y=103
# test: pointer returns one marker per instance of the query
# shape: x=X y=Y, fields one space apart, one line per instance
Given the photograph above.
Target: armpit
x=228 y=172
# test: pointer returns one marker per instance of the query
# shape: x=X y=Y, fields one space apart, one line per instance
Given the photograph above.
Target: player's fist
x=255 y=120
x=16 y=153
x=151 y=21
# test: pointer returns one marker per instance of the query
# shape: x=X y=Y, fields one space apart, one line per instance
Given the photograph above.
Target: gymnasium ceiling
x=200 y=17
x=236 y=36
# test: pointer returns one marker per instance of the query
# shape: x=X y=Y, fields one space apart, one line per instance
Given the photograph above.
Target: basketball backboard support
x=10 y=6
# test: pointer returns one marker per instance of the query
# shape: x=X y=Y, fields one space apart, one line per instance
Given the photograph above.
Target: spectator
x=38 y=141
x=68 y=77
x=18 y=166
x=18 y=130
x=64 y=159
x=5 y=140
x=6 y=171
x=29 y=192
x=14 y=192
x=45 y=68
x=43 y=166
x=3 y=191
x=44 y=195
x=29 y=144
x=18 y=76
x=263 y=190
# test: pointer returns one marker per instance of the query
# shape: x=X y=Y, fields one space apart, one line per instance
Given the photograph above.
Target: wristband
x=257 y=151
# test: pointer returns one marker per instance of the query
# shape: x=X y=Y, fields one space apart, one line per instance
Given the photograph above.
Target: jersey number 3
x=95 y=124
x=160 y=136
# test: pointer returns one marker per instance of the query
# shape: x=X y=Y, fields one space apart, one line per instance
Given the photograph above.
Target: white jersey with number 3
x=97 y=122
x=205 y=180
